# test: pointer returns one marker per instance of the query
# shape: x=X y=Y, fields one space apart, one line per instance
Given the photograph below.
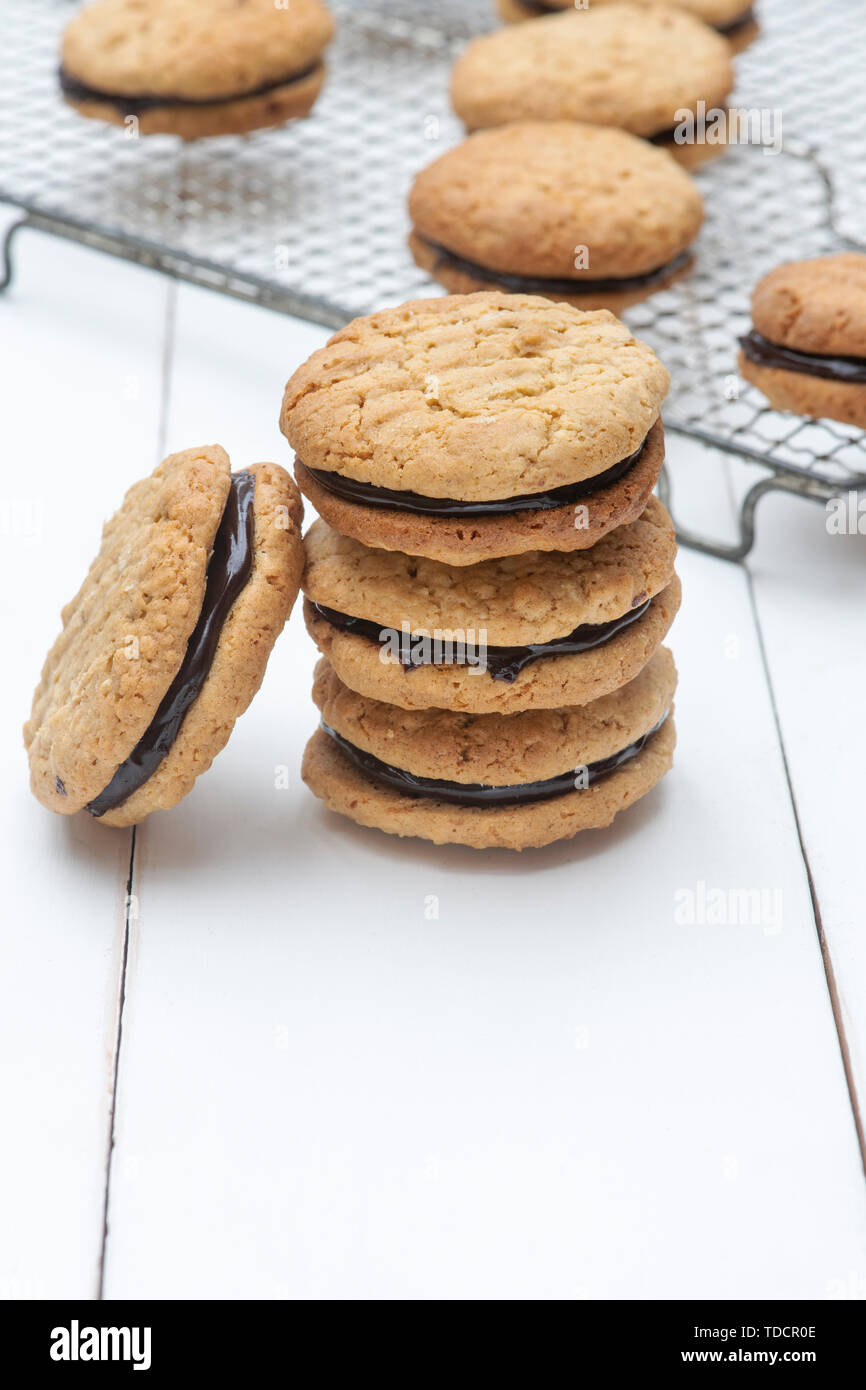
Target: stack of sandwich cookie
x=167 y=640
x=578 y=212
x=734 y=19
x=185 y=68
x=478 y=426
x=619 y=64
x=487 y=688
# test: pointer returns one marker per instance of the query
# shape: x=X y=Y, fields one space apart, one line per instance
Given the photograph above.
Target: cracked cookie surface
x=474 y=397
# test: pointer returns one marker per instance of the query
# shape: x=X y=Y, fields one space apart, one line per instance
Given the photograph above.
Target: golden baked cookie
x=191 y=69
x=440 y=426
x=464 y=539
x=522 y=631
x=491 y=781
x=494 y=749
x=572 y=678
x=734 y=19
x=584 y=213
x=167 y=640
x=807 y=347
x=619 y=64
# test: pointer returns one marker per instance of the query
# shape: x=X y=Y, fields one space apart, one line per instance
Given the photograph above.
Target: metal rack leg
x=800 y=487
x=6 y=268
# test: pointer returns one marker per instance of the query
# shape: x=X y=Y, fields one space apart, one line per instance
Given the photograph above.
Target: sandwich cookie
x=476 y=426
x=582 y=213
x=514 y=781
x=734 y=19
x=167 y=640
x=620 y=64
x=185 y=68
x=807 y=348
x=527 y=631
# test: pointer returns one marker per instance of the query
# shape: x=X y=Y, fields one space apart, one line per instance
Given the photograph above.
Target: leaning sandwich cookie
x=477 y=426
x=167 y=640
x=514 y=781
x=190 y=69
x=539 y=630
x=582 y=213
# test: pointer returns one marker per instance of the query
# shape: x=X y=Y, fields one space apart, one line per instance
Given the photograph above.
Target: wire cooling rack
x=310 y=219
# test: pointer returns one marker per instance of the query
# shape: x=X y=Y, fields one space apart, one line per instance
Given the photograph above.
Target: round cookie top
x=475 y=397
x=498 y=751
x=126 y=631
x=515 y=601
x=816 y=306
x=192 y=51
x=622 y=64
x=715 y=12
x=524 y=198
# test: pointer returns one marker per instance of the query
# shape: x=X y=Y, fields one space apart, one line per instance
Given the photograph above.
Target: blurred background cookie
x=734 y=19
x=619 y=65
x=186 y=68
x=807 y=347
x=576 y=212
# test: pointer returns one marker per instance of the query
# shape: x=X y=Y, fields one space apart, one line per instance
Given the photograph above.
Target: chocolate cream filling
x=730 y=26
x=228 y=570
x=502 y=663
x=371 y=495
x=764 y=353
x=131 y=104
x=545 y=285
x=477 y=793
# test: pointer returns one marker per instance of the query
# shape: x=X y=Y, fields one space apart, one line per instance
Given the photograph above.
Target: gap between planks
x=826 y=958
x=166 y=365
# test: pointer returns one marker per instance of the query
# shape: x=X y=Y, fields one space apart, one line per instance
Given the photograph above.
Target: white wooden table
x=275 y=1075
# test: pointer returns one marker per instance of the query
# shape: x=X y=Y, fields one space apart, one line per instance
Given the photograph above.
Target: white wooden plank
x=81 y=340
x=809 y=584
x=555 y=1088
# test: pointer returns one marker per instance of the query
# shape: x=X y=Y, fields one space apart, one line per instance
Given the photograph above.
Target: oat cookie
x=807 y=347
x=536 y=630
x=167 y=640
x=465 y=540
x=191 y=69
x=588 y=214
x=546 y=683
x=494 y=749
x=735 y=19
x=619 y=64
x=332 y=773
x=454 y=411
